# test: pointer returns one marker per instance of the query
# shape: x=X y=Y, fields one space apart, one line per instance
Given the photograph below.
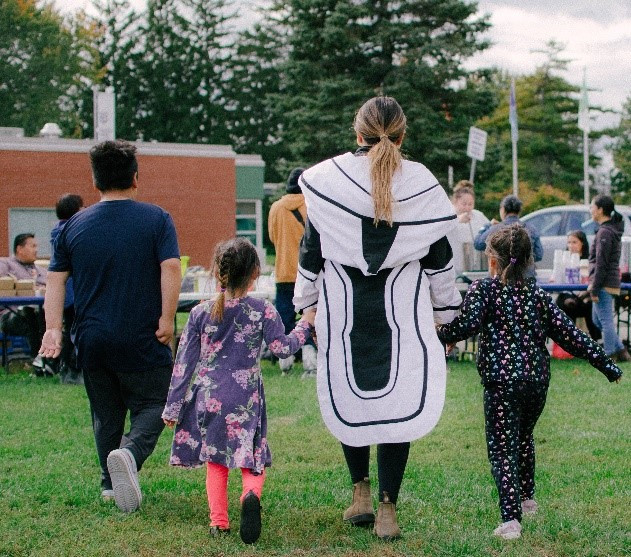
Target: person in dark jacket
x=604 y=273
x=67 y=205
x=514 y=318
x=510 y=207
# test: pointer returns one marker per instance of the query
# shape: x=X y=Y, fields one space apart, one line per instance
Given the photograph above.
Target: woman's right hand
x=309 y=316
x=464 y=217
x=169 y=423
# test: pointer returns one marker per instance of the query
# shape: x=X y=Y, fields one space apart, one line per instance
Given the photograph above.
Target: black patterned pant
x=511 y=412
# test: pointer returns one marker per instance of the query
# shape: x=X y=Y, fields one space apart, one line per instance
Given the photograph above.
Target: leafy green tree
x=550 y=144
x=41 y=67
x=621 y=180
x=119 y=47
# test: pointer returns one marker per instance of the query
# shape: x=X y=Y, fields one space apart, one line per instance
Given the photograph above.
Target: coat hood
x=614 y=227
x=292 y=201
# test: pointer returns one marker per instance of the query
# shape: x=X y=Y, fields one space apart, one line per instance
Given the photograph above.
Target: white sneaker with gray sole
x=309 y=359
x=510 y=530
x=107 y=495
x=121 y=465
x=286 y=363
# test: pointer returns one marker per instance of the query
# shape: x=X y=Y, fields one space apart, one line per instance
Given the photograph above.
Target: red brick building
x=195 y=183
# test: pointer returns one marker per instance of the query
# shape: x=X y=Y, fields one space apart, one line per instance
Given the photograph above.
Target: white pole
x=585 y=167
x=472 y=174
x=515 y=181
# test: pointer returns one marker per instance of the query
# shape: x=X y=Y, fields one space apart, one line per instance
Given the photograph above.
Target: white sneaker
x=107 y=495
x=529 y=506
x=510 y=530
x=286 y=363
x=121 y=465
x=309 y=359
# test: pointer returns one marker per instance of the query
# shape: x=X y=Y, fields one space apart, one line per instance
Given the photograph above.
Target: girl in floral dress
x=216 y=399
x=514 y=319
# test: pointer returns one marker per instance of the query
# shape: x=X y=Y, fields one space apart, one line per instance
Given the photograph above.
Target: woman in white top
x=376 y=261
x=470 y=221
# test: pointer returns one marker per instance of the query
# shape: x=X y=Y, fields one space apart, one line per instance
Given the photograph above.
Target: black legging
x=391 y=461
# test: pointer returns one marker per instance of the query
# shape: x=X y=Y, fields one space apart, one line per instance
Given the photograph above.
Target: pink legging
x=217 y=490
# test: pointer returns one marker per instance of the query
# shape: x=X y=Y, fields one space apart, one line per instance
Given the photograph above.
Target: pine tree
x=253 y=122
x=342 y=52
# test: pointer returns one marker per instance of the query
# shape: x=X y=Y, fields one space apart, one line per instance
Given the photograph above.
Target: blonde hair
x=381 y=123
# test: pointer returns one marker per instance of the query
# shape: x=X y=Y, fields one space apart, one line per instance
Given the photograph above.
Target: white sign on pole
x=477 y=143
x=104 y=115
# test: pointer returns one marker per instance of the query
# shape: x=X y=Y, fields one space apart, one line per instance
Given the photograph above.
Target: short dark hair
x=20 y=240
x=114 y=165
x=512 y=204
x=67 y=205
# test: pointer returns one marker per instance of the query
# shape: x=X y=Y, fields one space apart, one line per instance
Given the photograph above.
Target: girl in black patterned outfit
x=514 y=318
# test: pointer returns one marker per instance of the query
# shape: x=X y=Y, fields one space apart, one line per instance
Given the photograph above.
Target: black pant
x=285 y=306
x=511 y=412
x=67 y=355
x=391 y=461
x=111 y=395
x=25 y=321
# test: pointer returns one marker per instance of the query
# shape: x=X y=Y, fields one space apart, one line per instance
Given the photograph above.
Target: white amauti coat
x=379 y=291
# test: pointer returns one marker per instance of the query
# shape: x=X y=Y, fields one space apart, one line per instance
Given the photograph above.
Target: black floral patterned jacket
x=514 y=323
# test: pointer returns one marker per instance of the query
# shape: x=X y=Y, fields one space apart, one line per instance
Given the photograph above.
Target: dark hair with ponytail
x=606 y=203
x=235 y=264
x=512 y=247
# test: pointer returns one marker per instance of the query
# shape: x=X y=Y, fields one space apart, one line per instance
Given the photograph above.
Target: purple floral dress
x=216 y=394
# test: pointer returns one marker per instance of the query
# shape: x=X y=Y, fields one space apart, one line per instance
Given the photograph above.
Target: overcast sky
x=597 y=34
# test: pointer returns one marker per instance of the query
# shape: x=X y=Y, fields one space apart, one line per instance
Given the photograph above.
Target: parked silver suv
x=554 y=224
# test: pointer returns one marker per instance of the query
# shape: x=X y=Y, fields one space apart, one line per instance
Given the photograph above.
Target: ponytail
x=381 y=124
x=385 y=160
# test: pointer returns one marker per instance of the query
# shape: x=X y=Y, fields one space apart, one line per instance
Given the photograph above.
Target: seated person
x=510 y=207
x=579 y=305
x=25 y=321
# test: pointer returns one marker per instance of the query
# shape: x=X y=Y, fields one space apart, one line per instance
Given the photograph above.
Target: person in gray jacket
x=510 y=207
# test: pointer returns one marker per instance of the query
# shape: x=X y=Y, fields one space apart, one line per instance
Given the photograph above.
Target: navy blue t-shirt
x=113 y=251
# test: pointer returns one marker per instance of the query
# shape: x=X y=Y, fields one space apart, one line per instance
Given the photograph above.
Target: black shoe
x=215 y=531
x=250 y=528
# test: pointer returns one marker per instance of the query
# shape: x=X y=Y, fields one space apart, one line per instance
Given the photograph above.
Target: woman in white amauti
x=376 y=261
x=470 y=220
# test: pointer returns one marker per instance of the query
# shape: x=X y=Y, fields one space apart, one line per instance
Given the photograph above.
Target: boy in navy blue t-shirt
x=124 y=260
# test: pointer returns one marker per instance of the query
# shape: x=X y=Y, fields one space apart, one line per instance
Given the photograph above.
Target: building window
x=250 y=220
x=36 y=221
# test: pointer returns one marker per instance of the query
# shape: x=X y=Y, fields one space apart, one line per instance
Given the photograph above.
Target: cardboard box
x=24 y=284
x=25 y=293
x=7 y=293
x=7 y=283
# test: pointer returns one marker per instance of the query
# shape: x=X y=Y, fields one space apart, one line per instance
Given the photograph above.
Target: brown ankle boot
x=386 y=527
x=360 y=512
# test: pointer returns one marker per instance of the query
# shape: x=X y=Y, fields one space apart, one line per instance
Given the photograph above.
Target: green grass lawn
x=49 y=480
